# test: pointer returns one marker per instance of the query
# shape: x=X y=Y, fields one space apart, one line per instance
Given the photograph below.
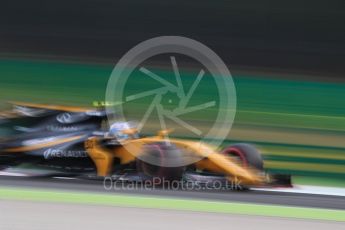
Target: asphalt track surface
x=259 y=197
x=17 y=215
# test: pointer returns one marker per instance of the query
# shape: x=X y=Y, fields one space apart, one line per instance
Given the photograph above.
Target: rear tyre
x=161 y=153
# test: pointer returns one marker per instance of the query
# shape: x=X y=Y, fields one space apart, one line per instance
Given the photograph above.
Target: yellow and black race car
x=73 y=141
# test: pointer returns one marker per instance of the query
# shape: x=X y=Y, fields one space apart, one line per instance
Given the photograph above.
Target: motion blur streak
x=287 y=60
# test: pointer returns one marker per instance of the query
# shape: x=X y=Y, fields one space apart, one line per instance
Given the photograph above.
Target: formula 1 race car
x=72 y=141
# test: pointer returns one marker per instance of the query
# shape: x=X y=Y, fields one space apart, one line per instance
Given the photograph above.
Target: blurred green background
x=298 y=124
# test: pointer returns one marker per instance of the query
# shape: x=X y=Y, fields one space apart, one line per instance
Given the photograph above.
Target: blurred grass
x=299 y=125
x=23 y=194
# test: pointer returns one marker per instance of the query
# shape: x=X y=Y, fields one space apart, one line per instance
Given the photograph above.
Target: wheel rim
x=232 y=151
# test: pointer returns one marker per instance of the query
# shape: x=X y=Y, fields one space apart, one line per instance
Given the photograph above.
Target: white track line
x=307 y=189
x=64 y=178
x=13 y=174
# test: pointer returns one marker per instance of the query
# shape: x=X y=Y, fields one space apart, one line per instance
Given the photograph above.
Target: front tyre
x=246 y=154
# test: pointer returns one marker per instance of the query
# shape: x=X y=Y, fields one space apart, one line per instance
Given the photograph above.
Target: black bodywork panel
x=49 y=138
